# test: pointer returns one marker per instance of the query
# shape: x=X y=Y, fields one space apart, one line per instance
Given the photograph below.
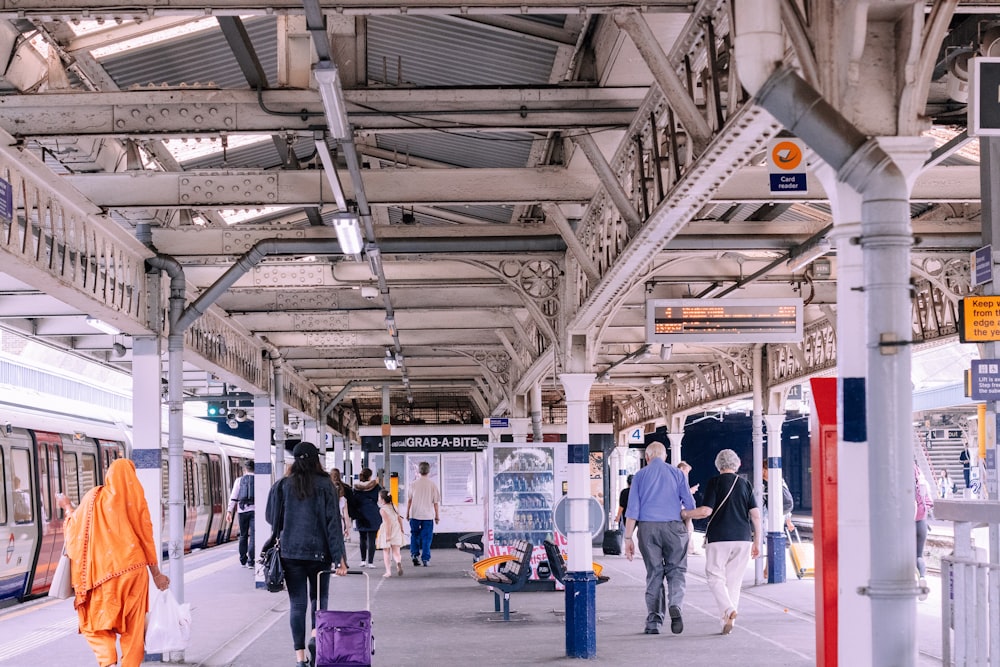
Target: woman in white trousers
x=733 y=534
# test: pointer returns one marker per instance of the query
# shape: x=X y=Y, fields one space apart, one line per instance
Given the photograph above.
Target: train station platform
x=440 y=616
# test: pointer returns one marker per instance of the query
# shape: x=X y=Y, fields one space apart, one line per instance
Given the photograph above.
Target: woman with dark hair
x=311 y=538
x=369 y=517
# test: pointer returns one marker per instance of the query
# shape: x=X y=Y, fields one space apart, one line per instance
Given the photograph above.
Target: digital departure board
x=723 y=320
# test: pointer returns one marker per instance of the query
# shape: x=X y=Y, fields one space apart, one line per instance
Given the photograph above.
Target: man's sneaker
x=427 y=563
x=651 y=631
x=676 y=622
x=416 y=562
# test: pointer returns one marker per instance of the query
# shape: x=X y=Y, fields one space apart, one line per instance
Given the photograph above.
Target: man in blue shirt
x=658 y=504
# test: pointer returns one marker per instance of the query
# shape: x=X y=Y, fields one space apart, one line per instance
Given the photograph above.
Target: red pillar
x=823 y=441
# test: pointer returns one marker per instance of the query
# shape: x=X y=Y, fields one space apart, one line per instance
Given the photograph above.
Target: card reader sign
x=985 y=379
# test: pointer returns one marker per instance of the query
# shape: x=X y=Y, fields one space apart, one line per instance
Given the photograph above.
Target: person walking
x=622 y=504
x=369 y=519
x=109 y=540
x=966 y=460
x=423 y=509
x=344 y=502
x=390 y=535
x=311 y=539
x=733 y=535
x=241 y=503
x=658 y=503
x=924 y=503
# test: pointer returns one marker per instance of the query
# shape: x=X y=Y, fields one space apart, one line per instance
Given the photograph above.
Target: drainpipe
x=279 y=410
x=886 y=238
x=536 y=412
x=175 y=422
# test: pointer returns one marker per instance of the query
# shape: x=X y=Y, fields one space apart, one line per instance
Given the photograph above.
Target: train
x=46 y=450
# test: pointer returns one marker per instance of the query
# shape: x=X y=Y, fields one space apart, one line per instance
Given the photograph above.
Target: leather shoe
x=676 y=622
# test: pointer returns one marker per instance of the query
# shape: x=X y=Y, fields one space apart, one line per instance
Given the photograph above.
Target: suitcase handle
x=368 y=589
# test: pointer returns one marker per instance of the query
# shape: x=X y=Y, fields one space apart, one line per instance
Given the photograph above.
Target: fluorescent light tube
x=103 y=326
x=331 y=173
x=328 y=81
x=348 y=235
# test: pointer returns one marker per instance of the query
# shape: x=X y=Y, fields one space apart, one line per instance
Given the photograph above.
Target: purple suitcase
x=344 y=638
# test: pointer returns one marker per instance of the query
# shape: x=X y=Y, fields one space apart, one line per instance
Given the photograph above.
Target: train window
x=3 y=487
x=72 y=478
x=203 y=494
x=88 y=474
x=21 y=462
x=188 y=482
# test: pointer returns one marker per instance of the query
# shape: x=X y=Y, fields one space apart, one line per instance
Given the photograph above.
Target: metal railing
x=970 y=588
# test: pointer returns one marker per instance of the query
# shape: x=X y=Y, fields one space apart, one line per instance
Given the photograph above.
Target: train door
x=203 y=502
x=18 y=525
x=48 y=448
x=109 y=451
x=216 y=494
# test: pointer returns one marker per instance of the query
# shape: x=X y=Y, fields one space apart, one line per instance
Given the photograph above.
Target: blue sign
x=982 y=266
x=6 y=201
x=986 y=379
x=788 y=182
x=499 y=422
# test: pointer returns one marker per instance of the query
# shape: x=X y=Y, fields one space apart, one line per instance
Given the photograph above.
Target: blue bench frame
x=520 y=568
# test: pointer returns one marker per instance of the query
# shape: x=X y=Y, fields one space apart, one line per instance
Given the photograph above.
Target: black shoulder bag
x=274 y=573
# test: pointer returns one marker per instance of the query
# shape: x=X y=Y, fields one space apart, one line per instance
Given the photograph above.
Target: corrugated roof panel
x=479 y=150
x=437 y=51
x=201 y=58
x=261 y=155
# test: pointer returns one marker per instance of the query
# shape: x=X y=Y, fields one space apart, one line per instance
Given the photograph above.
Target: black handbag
x=270 y=555
x=274 y=573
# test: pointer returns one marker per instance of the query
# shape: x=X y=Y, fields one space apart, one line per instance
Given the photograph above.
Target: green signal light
x=217 y=409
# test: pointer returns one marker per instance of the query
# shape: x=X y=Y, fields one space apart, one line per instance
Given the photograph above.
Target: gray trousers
x=663 y=545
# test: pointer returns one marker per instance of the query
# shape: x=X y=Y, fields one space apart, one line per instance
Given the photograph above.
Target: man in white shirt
x=241 y=503
x=423 y=510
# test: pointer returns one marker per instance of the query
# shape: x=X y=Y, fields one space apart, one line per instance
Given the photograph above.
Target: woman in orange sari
x=109 y=540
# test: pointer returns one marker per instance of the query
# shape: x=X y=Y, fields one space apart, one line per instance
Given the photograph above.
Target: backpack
x=244 y=496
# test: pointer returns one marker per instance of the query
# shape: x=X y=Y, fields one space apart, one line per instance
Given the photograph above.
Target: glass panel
x=23 y=512
x=88 y=475
x=3 y=487
x=72 y=478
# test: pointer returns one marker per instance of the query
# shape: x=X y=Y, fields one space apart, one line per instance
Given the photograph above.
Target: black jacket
x=311 y=529
x=366 y=496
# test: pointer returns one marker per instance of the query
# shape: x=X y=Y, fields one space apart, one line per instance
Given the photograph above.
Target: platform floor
x=439 y=616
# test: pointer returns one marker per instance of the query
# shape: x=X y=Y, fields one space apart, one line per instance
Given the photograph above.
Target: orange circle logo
x=786 y=155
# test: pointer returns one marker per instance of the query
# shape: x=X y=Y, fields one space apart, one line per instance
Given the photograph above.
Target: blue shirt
x=659 y=492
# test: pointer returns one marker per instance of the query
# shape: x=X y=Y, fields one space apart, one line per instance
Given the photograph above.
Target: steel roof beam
x=249 y=188
x=144 y=113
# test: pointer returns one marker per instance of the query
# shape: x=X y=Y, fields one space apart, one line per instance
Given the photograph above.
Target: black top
x=368 y=517
x=623 y=498
x=311 y=528
x=731 y=521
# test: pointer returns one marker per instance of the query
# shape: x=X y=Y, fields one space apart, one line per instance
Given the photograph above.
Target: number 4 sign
x=636 y=436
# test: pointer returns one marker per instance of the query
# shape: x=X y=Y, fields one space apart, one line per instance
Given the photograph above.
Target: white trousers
x=725 y=563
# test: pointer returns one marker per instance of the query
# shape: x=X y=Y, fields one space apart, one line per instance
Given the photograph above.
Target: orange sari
x=109 y=539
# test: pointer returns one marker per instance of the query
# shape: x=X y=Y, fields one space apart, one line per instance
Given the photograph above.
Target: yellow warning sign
x=786 y=155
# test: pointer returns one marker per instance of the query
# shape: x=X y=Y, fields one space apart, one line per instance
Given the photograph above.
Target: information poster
x=458 y=479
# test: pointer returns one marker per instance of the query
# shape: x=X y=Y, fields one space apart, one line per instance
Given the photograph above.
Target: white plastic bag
x=168 y=623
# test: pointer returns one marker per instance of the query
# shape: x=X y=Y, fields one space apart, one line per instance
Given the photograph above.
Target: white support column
x=519 y=427
x=264 y=474
x=775 y=520
x=581 y=583
x=311 y=433
x=675 y=447
x=854 y=635
x=147 y=430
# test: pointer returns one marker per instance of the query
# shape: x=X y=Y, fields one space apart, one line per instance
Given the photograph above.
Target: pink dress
x=390 y=534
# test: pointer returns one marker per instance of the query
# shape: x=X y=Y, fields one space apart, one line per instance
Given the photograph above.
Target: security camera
x=369 y=293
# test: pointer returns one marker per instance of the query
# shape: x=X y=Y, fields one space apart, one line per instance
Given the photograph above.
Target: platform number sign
x=636 y=436
x=984 y=97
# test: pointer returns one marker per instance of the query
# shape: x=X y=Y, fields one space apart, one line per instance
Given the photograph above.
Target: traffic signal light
x=217 y=409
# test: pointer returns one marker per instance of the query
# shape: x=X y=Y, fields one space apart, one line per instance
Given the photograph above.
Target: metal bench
x=471 y=543
x=558 y=565
x=513 y=577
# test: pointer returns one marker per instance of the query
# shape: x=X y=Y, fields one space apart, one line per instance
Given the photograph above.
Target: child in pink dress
x=390 y=535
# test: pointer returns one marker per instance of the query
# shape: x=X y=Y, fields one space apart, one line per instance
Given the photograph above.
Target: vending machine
x=525 y=481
